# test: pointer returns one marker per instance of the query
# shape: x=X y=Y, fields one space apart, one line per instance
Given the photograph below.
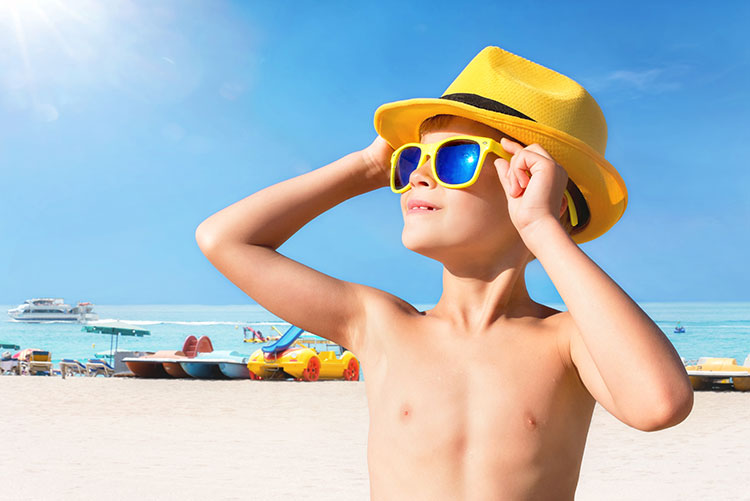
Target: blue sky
x=127 y=123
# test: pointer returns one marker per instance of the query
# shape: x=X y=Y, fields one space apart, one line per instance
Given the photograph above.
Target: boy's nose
x=422 y=175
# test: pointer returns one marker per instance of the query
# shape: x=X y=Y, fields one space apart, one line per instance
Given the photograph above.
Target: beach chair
x=9 y=366
x=40 y=362
x=70 y=367
x=96 y=366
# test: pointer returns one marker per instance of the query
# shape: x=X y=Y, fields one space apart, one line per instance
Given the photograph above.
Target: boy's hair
x=441 y=121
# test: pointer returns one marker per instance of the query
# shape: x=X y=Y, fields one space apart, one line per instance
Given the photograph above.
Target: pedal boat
x=291 y=357
x=234 y=365
x=166 y=363
x=710 y=371
x=217 y=365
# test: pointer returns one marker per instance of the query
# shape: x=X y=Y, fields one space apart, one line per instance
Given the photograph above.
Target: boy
x=489 y=395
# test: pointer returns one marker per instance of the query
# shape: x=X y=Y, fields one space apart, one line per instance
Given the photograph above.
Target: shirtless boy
x=488 y=395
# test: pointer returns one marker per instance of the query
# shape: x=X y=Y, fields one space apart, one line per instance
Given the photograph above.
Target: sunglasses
x=456 y=163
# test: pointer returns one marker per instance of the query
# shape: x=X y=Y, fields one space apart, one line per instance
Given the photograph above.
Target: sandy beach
x=187 y=439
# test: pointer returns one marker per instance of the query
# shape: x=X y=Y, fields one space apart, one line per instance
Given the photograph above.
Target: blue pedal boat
x=234 y=365
x=218 y=365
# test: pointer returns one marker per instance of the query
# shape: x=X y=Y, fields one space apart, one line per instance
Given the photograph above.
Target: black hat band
x=486 y=104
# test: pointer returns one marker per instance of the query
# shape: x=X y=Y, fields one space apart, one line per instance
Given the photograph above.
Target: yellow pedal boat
x=709 y=371
x=295 y=357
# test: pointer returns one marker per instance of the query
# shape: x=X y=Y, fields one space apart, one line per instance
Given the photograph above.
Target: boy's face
x=464 y=222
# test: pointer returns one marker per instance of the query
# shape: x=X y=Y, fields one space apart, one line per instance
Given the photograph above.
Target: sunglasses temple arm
x=571 y=210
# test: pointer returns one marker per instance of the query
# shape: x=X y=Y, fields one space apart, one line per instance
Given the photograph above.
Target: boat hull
x=146 y=369
x=39 y=317
x=235 y=370
x=175 y=369
x=202 y=370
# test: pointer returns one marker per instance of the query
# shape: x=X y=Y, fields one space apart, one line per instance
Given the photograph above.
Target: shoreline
x=192 y=439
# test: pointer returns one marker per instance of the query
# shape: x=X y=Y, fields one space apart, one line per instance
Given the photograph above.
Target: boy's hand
x=534 y=185
x=377 y=157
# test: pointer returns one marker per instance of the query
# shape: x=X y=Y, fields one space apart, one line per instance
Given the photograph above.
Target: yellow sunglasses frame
x=486 y=145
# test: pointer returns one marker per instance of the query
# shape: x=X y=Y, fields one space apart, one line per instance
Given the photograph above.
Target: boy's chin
x=446 y=246
x=428 y=246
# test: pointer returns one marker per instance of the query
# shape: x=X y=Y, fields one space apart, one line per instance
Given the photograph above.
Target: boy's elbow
x=205 y=238
x=671 y=410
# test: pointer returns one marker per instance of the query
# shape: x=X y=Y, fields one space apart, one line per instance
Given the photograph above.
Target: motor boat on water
x=53 y=310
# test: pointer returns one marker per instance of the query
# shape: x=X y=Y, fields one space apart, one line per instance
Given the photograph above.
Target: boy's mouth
x=420 y=206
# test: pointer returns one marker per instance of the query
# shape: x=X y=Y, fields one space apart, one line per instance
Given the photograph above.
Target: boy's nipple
x=529 y=421
x=405 y=412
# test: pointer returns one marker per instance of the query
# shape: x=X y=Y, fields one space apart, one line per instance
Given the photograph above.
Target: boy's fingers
x=510 y=178
x=523 y=178
x=539 y=151
x=520 y=163
x=502 y=166
x=515 y=189
x=511 y=147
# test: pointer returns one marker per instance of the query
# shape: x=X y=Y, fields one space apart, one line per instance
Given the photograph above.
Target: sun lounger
x=40 y=362
x=96 y=366
x=9 y=367
x=70 y=367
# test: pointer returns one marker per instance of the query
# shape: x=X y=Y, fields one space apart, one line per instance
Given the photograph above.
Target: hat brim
x=600 y=184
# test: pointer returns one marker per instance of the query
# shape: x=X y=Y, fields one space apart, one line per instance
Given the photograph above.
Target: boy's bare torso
x=500 y=414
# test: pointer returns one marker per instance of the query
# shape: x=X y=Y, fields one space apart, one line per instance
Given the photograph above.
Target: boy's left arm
x=622 y=356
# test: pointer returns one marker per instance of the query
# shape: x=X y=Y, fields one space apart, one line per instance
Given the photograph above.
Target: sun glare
x=58 y=55
x=34 y=42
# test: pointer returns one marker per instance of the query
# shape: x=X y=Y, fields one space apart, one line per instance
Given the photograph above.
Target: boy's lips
x=420 y=206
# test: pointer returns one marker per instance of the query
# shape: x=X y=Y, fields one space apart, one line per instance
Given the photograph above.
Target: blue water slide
x=285 y=341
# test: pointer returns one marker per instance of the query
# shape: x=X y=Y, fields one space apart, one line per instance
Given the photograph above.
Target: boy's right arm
x=241 y=242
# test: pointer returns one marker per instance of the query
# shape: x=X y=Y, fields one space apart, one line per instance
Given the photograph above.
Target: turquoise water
x=712 y=329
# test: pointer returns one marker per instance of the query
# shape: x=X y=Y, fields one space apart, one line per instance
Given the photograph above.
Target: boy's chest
x=462 y=391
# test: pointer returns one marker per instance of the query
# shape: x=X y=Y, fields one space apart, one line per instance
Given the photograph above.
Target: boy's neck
x=476 y=295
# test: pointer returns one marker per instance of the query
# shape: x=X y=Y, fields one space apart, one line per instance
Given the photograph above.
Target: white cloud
x=645 y=81
x=638 y=79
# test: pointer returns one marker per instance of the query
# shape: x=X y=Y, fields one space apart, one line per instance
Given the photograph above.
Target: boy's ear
x=563 y=206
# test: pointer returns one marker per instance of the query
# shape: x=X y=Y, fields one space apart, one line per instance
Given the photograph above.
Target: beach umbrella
x=25 y=353
x=115 y=330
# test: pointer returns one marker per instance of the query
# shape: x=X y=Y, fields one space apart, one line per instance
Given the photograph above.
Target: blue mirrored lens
x=406 y=164
x=457 y=161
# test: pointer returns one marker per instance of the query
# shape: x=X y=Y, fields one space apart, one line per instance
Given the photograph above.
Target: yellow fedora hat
x=532 y=104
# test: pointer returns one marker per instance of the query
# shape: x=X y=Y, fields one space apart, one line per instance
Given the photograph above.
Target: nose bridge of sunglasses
x=423 y=169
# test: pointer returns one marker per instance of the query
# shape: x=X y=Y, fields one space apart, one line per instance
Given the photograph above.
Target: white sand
x=167 y=439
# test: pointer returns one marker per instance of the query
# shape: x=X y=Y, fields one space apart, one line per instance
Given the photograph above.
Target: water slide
x=285 y=341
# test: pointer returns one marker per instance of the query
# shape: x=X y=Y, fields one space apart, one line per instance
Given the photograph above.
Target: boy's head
x=530 y=104
x=457 y=224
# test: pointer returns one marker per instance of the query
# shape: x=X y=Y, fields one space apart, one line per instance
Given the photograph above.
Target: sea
x=711 y=329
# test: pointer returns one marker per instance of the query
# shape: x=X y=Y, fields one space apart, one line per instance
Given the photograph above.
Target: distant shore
x=127 y=438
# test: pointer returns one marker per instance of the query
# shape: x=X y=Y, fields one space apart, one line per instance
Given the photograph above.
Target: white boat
x=52 y=310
